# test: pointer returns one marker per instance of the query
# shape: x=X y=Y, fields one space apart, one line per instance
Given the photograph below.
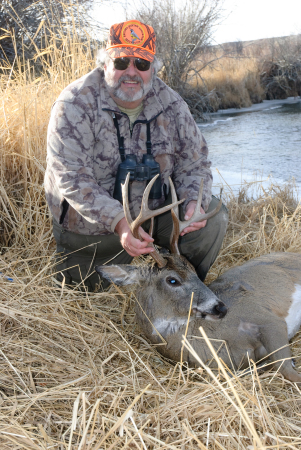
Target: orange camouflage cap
x=132 y=38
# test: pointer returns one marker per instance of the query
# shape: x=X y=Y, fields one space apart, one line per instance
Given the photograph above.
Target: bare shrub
x=281 y=68
x=28 y=26
x=281 y=79
x=182 y=33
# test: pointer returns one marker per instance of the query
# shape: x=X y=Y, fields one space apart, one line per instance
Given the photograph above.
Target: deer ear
x=120 y=275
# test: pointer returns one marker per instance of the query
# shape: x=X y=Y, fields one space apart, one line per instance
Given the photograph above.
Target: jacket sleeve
x=191 y=160
x=70 y=146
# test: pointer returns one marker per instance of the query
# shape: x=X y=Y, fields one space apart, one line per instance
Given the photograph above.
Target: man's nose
x=131 y=70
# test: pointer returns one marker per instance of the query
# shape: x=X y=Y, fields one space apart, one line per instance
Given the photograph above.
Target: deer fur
x=249 y=312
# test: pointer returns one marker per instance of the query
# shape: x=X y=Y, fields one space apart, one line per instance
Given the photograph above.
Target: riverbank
x=264 y=105
x=237 y=76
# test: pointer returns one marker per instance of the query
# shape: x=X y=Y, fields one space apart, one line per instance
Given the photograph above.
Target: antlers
x=178 y=225
x=146 y=213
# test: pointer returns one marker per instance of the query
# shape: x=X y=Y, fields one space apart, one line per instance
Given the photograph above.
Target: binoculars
x=138 y=172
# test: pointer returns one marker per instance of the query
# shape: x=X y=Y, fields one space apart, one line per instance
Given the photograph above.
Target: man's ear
x=120 y=275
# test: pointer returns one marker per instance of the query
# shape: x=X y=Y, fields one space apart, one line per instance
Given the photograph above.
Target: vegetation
x=239 y=74
x=29 y=26
x=76 y=373
x=183 y=32
x=211 y=77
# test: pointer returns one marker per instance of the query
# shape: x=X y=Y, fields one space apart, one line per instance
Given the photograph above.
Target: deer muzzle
x=215 y=312
x=220 y=310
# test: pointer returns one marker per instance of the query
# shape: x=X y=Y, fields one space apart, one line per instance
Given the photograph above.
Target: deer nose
x=220 y=310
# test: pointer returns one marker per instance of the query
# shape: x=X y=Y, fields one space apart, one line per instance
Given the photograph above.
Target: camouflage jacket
x=83 y=153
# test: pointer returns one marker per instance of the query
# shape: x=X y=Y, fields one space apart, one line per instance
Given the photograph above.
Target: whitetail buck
x=249 y=312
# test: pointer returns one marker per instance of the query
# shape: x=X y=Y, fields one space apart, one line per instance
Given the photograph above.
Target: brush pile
x=281 y=79
x=75 y=373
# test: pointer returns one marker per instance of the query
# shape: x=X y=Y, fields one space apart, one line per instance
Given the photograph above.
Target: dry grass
x=262 y=220
x=235 y=81
x=74 y=365
x=233 y=72
x=75 y=373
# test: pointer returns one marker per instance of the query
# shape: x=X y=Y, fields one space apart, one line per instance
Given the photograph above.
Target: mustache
x=130 y=78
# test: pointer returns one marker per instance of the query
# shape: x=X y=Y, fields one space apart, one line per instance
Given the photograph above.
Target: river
x=261 y=143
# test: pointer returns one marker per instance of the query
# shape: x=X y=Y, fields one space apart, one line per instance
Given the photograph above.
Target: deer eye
x=173 y=281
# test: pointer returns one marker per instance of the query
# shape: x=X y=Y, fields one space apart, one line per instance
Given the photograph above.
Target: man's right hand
x=133 y=246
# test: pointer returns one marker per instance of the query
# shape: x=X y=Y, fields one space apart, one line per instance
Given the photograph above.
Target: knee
x=221 y=219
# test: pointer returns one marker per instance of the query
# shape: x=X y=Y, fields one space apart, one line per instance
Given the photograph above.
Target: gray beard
x=114 y=88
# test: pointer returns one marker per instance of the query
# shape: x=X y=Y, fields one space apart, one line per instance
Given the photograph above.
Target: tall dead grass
x=234 y=80
x=75 y=372
x=239 y=74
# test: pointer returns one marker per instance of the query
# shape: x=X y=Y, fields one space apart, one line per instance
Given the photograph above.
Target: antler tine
x=125 y=199
x=179 y=226
x=175 y=220
x=197 y=215
x=145 y=214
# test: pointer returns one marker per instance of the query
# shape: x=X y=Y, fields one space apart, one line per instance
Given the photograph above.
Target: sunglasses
x=123 y=63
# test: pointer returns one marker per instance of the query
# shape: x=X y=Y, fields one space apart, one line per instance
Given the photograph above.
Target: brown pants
x=79 y=254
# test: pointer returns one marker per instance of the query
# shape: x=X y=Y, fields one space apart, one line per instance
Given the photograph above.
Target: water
x=258 y=143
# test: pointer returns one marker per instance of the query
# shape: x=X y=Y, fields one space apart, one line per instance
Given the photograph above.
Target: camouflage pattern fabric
x=121 y=52
x=83 y=154
x=132 y=38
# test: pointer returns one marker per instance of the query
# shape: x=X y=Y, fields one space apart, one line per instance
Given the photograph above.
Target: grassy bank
x=234 y=82
x=240 y=74
x=74 y=367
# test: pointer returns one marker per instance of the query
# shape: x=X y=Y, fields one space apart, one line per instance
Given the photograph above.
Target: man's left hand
x=194 y=225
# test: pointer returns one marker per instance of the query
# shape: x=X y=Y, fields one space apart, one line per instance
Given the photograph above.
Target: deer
x=249 y=313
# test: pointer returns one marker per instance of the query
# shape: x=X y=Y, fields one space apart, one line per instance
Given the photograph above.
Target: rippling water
x=255 y=143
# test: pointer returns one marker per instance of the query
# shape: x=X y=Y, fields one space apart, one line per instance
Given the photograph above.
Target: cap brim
x=137 y=52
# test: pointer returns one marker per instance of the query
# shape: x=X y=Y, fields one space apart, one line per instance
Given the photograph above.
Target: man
x=119 y=109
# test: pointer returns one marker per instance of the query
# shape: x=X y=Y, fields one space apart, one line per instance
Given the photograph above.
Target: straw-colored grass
x=75 y=371
x=74 y=365
x=238 y=74
x=234 y=80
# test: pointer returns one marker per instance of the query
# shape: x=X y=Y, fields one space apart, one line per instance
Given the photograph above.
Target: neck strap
x=121 y=139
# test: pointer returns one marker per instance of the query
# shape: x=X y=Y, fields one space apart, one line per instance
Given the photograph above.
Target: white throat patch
x=168 y=326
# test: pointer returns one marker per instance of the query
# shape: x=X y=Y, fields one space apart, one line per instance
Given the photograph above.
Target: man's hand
x=133 y=246
x=194 y=225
